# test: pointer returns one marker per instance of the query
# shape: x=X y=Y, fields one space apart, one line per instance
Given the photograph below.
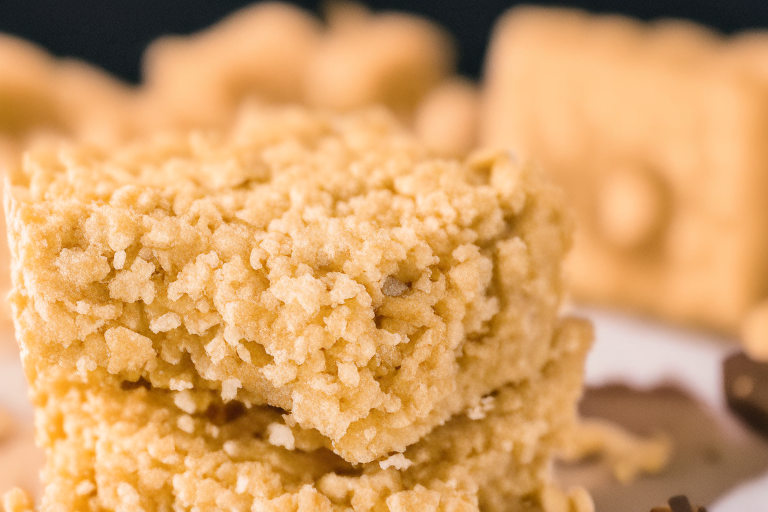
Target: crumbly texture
x=262 y=51
x=325 y=265
x=658 y=142
x=131 y=447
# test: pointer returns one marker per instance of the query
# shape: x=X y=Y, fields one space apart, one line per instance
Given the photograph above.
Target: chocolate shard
x=680 y=504
x=746 y=390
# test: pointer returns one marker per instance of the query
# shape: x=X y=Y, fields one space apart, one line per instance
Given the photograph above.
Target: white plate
x=646 y=355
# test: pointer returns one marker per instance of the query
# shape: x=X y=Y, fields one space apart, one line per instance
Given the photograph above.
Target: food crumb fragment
x=280 y=435
x=185 y=402
x=128 y=350
x=242 y=484
x=397 y=461
x=229 y=389
x=118 y=261
x=84 y=488
x=85 y=364
x=186 y=423
x=179 y=384
x=393 y=287
x=480 y=410
x=165 y=323
x=17 y=500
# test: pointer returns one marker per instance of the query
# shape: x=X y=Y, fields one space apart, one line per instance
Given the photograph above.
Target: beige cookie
x=392 y=59
x=261 y=51
x=447 y=119
x=656 y=131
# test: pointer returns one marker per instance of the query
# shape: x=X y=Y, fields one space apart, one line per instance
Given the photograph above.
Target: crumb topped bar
x=312 y=287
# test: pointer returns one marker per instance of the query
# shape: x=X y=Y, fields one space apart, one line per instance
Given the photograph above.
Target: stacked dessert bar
x=304 y=312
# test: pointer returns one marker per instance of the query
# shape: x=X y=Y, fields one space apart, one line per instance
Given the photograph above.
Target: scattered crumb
x=280 y=435
x=17 y=500
x=397 y=461
x=186 y=423
x=480 y=410
x=229 y=389
x=629 y=455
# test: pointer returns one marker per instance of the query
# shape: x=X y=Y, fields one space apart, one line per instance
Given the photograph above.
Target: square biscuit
x=260 y=51
x=655 y=131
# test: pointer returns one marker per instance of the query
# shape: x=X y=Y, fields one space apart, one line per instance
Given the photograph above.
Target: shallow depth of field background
x=114 y=33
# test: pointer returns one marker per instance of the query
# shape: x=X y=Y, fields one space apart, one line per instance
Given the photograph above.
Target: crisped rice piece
x=132 y=447
x=322 y=264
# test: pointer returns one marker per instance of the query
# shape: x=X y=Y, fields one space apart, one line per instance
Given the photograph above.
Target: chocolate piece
x=746 y=390
x=679 y=503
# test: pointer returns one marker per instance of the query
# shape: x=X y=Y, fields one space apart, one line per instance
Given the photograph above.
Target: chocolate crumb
x=679 y=503
x=746 y=390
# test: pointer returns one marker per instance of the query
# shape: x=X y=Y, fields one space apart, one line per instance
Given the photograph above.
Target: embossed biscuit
x=261 y=51
x=392 y=59
x=655 y=132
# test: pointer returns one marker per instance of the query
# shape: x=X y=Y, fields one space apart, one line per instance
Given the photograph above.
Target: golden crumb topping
x=326 y=265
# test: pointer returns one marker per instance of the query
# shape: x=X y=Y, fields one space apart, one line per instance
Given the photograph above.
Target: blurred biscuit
x=95 y=105
x=6 y=425
x=754 y=332
x=40 y=94
x=628 y=455
x=390 y=58
x=657 y=133
x=26 y=77
x=447 y=119
x=259 y=51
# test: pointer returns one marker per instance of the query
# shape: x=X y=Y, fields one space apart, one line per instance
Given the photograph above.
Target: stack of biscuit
x=305 y=312
x=264 y=307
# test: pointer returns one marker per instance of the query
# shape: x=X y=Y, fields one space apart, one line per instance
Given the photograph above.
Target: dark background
x=113 y=33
